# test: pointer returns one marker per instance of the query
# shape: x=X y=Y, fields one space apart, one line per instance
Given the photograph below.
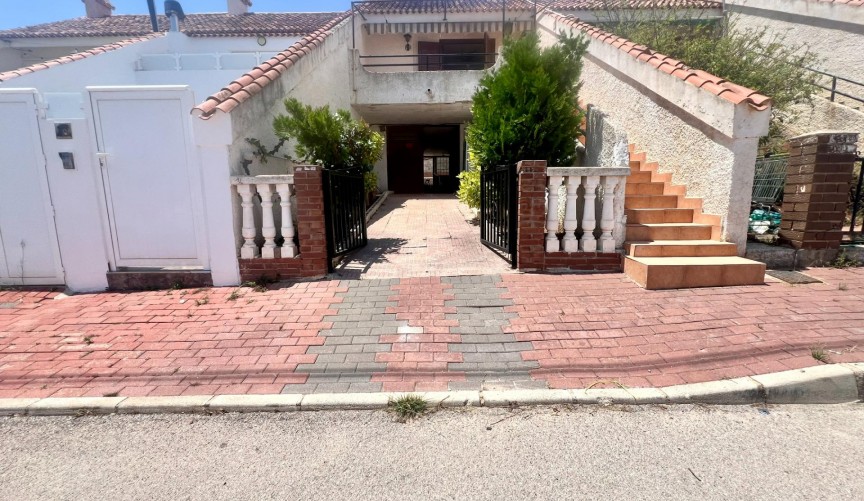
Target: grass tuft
x=408 y=407
x=820 y=355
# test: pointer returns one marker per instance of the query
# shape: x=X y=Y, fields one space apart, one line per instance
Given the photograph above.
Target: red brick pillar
x=310 y=220
x=817 y=189
x=531 y=251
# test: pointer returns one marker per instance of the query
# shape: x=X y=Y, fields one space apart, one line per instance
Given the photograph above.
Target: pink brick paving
x=418 y=361
x=160 y=343
x=581 y=328
x=603 y=328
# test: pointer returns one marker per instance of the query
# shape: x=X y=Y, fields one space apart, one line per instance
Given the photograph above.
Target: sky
x=17 y=13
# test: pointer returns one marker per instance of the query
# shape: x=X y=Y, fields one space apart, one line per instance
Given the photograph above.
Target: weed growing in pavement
x=88 y=340
x=408 y=407
x=233 y=296
x=820 y=355
x=202 y=301
x=844 y=261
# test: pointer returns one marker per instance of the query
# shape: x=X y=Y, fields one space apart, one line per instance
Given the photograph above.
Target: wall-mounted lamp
x=407 y=42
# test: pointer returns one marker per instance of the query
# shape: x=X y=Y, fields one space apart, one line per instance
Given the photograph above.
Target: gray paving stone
x=321 y=349
x=364 y=340
x=377 y=348
x=350 y=348
x=340 y=367
x=364 y=387
x=360 y=357
x=520 y=346
x=322 y=378
x=330 y=358
x=355 y=378
x=332 y=388
x=370 y=367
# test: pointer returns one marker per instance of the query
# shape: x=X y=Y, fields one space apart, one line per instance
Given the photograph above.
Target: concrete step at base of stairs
x=656 y=273
x=680 y=248
x=653 y=216
x=668 y=231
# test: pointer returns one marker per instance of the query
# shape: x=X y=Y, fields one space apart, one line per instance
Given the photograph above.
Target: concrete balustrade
x=268 y=189
x=588 y=191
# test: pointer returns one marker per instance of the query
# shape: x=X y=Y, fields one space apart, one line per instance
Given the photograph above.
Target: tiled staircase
x=671 y=244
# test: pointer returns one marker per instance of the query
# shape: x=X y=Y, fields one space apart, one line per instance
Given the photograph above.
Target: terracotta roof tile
x=699 y=78
x=195 y=25
x=74 y=57
x=251 y=83
x=430 y=6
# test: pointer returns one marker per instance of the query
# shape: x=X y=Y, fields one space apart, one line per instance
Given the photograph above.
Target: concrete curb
x=824 y=384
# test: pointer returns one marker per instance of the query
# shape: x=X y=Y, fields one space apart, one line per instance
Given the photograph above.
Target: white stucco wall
x=321 y=77
x=82 y=232
x=707 y=143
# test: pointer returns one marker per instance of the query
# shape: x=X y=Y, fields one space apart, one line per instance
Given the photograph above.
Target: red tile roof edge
x=71 y=58
x=251 y=83
x=729 y=91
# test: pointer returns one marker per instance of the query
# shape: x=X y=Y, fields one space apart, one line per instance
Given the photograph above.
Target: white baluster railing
x=259 y=216
x=590 y=190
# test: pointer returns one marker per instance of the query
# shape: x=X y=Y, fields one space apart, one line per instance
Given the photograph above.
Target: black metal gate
x=857 y=204
x=499 y=201
x=344 y=212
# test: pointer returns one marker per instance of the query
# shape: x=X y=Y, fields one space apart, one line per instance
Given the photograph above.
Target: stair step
x=686 y=272
x=649 y=216
x=639 y=177
x=668 y=231
x=644 y=189
x=681 y=248
x=651 y=202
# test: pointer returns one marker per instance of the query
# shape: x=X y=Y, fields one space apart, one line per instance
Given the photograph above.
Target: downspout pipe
x=151 y=5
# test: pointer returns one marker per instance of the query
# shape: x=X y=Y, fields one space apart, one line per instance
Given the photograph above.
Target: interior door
x=152 y=185
x=29 y=250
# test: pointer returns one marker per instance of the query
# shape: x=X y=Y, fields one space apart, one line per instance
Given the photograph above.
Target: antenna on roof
x=175 y=14
x=151 y=5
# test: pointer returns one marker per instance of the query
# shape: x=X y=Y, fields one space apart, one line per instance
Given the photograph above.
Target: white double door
x=150 y=177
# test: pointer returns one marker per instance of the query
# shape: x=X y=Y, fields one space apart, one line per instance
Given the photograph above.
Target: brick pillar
x=817 y=189
x=531 y=251
x=310 y=219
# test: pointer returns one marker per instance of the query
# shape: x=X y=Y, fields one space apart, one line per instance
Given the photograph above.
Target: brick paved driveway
x=422 y=236
x=494 y=331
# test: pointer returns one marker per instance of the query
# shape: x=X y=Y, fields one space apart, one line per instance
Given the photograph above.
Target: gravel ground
x=683 y=452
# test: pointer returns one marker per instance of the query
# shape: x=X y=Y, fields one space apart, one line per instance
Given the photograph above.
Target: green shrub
x=333 y=140
x=370 y=181
x=758 y=59
x=527 y=108
x=469 y=188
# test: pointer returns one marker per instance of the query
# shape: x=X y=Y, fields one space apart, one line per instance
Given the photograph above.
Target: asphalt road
x=685 y=452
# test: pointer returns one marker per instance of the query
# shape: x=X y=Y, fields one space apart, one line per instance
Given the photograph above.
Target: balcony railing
x=432 y=62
